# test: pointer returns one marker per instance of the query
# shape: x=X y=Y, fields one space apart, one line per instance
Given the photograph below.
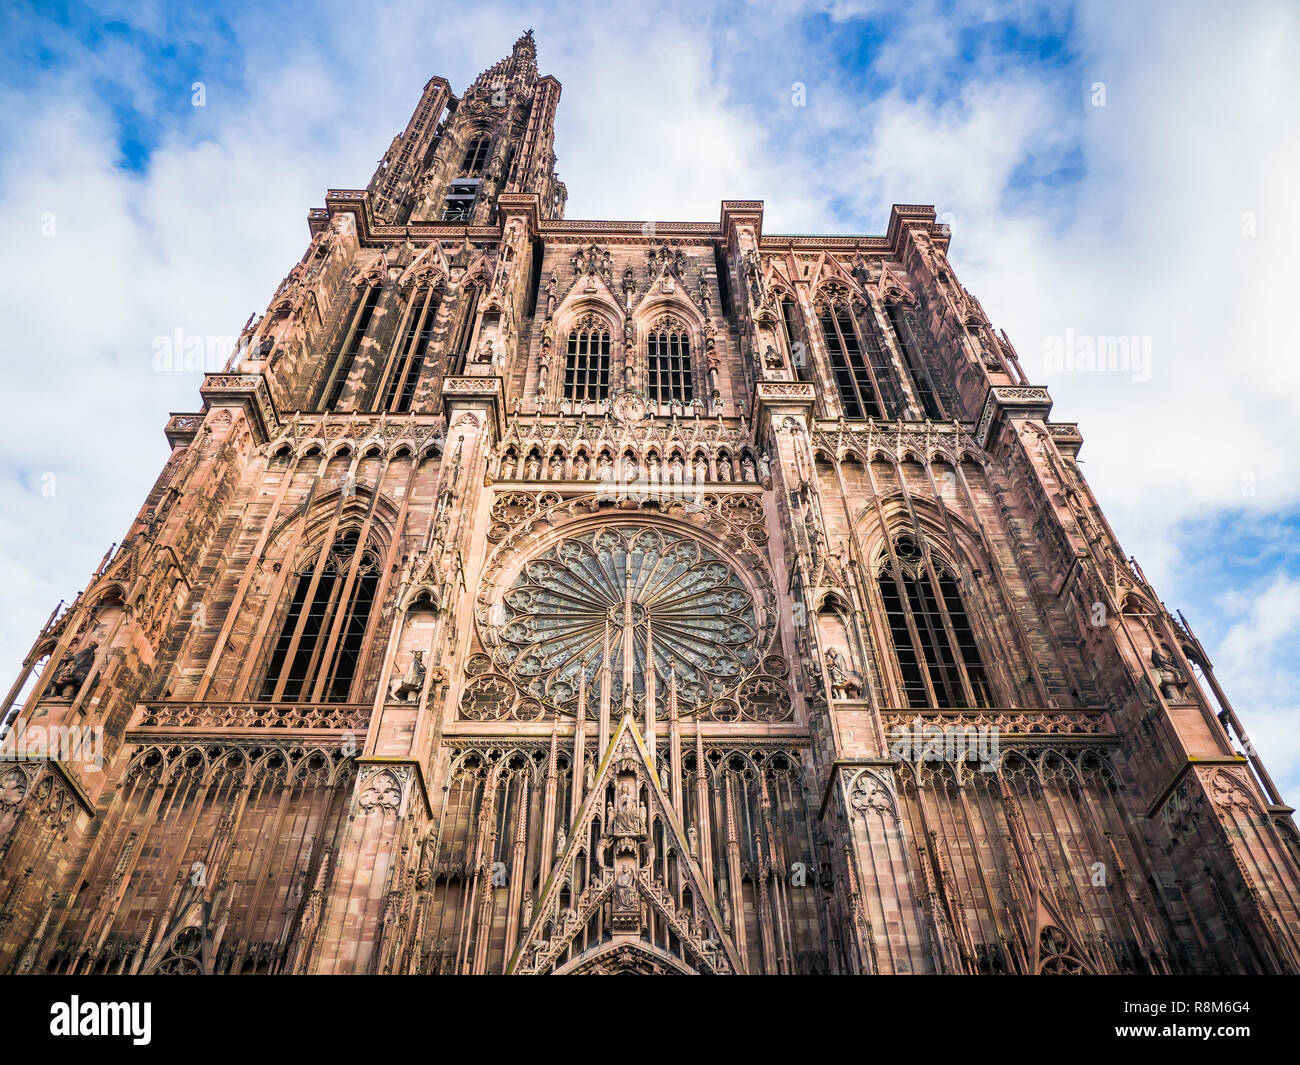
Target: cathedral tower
x=532 y=595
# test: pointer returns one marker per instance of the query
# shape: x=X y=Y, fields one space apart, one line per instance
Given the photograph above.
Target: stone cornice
x=486 y=392
x=247 y=390
x=1013 y=401
x=181 y=429
x=903 y=217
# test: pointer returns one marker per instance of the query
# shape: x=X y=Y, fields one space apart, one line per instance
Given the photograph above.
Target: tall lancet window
x=908 y=331
x=859 y=397
x=315 y=657
x=408 y=360
x=475 y=156
x=586 y=364
x=669 y=378
x=937 y=656
x=797 y=348
x=347 y=355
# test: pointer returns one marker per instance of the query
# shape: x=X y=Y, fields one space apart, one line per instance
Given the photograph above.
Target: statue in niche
x=556 y=472
x=747 y=471
x=550 y=300
x=701 y=468
x=693 y=840
x=675 y=468
x=581 y=467
x=73 y=672
x=625 y=890
x=627 y=821
x=724 y=469
x=844 y=684
x=533 y=468
x=561 y=840
x=1173 y=682
x=508 y=468
x=408 y=687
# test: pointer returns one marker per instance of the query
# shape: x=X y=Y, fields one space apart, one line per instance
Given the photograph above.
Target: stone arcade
x=534 y=595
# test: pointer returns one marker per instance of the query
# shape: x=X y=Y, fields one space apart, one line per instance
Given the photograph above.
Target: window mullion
x=309 y=599
x=328 y=656
x=950 y=634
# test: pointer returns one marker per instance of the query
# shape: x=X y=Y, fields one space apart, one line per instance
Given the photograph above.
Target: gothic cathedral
x=534 y=595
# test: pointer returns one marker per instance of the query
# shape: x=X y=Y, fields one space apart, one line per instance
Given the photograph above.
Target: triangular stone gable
x=592 y=287
x=626 y=878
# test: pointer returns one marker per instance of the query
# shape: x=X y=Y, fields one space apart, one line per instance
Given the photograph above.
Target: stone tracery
x=577 y=604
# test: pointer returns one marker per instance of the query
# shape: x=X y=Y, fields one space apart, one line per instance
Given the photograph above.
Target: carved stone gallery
x=533 y=595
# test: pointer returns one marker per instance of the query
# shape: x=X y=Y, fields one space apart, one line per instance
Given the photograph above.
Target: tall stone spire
x=457 y=155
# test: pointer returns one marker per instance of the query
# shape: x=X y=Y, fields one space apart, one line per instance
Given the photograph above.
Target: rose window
x=621 y=586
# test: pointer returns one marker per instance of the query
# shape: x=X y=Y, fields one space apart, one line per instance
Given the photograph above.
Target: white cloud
x=1253 y=669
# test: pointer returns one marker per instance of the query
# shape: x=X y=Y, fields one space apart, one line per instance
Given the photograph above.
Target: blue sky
x=1165 y=213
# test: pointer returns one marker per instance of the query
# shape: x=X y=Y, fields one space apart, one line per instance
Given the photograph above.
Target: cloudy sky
x=1110 y=170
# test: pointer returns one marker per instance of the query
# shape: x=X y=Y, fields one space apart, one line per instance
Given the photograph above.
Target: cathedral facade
x=534 y=595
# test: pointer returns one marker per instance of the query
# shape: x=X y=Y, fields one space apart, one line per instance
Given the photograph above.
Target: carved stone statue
x=626 y=820
x=73 y=672
x=1173 y=682
x=625 y=890
x=747 y=471
x=580 y=468
x=408 y=687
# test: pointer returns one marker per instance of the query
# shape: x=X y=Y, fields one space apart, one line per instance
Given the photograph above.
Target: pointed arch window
x=908 y=331
x=408 y=361
x=586 y=364
x=669 y=363
x=316 y=654
x=465 y=332
x=789 y=312
x=475 y=155
x=853 y=378
x=931 y=632
x=347 y=355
